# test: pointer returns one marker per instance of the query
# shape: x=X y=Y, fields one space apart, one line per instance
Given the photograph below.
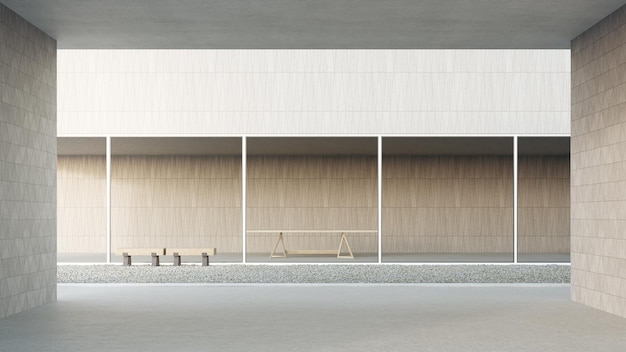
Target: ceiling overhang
x=315 y=24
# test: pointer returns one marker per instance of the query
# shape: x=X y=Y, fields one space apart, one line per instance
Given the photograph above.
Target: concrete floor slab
x=313 y=318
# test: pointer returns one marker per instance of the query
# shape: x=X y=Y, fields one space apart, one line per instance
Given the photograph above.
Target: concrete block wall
x=598 y=165
x=27 y=165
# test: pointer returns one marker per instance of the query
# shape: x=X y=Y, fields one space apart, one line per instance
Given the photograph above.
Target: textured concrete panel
x=27 y=165
x=598 y=165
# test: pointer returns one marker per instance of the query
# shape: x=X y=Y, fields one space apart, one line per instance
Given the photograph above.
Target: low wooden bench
x=127 y=254
x=204 y=252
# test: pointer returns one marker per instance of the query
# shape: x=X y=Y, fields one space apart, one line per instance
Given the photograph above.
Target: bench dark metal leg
x=155 y=259
x=126 y=260
x=176 y=259
x=205 y=259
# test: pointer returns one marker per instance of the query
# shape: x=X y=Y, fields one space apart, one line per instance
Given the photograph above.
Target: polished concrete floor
x=313 y=318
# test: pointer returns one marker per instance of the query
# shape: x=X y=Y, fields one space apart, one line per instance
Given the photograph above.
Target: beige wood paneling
x=544 y=204
x=312 y=193
x=81 y=204
x=430 y=204
x=176 y=201
x=447 y=204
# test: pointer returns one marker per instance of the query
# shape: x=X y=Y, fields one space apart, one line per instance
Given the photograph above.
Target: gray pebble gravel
x=311 y=273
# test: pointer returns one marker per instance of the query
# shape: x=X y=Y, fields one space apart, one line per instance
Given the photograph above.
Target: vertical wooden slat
x=81 y=204
x=544 y=204
x=312 y=192
x=447 y=204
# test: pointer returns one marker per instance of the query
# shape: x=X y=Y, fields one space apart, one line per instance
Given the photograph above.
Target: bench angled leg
x=344 y=239
x=126 y=260
x=155 y=259
x=205 y=259
x=281 y=242
x=176 y=259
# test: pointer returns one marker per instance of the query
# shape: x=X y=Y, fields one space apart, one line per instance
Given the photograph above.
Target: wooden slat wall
x=81 y=204
x=447 y=204
x=312 y=192
x=430 y=204
x=176 y=201
x=544 y=204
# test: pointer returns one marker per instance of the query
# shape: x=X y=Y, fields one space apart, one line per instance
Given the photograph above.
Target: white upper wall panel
x=313 y=92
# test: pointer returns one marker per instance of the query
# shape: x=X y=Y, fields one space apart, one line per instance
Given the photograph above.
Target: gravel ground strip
x=311 y=273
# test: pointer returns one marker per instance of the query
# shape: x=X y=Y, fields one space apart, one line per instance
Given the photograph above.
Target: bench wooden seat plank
x=204 y=252
x=312 y=251
x=192 y=251
x=312 y=231
x=127 y=254
x=141 y=251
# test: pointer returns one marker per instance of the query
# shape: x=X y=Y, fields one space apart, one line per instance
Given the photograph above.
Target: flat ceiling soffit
x=290 y=146
x=187 y=146
x=439 y=146
x=484 y=146
x=81 y=146
x=317 y=24
x=557 y=146
x=476 y=146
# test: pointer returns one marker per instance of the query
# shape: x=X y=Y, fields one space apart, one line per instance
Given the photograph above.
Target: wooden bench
x=204 y=252
x=343 y=241
x=127 y=254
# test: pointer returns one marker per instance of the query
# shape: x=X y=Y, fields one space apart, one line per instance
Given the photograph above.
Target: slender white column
x=515 y=160
x=380 y=199
x=244 y=177
x=108 y=196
